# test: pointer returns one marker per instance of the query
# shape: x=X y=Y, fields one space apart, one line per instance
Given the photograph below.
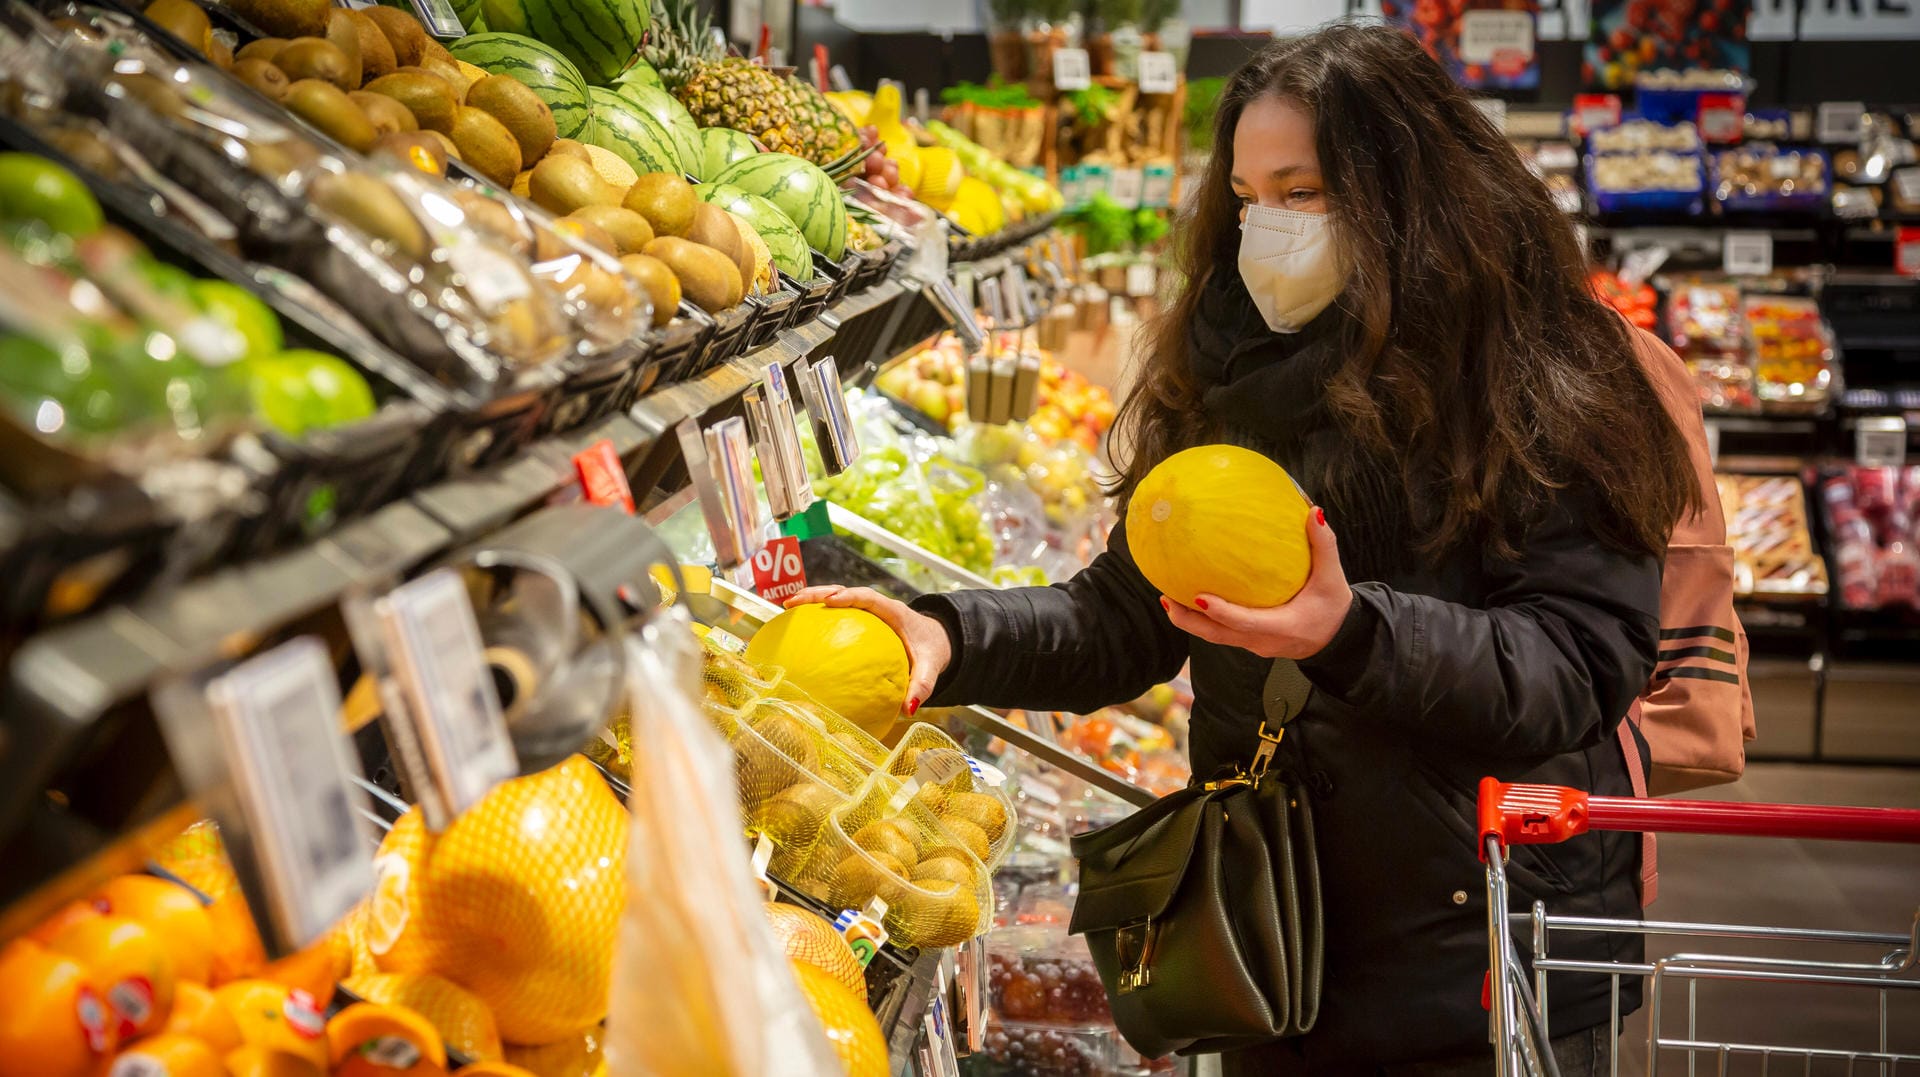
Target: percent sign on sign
x=777 y=570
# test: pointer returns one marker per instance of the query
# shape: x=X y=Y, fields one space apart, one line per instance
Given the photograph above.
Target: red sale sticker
x=304 y=1015
x=777 y=570
x=1906 y=250
x=1722 y=116
x=1592 y=111
x=602 y=477
x=93 y=1018
x=131 y=1001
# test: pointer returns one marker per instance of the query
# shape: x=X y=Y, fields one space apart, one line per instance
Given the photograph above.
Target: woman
x=1384 y=300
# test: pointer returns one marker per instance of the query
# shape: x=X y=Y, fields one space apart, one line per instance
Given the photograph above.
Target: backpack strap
x=1637 y=775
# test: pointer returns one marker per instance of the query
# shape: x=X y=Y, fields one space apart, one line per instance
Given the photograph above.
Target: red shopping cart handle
x=1543 y=814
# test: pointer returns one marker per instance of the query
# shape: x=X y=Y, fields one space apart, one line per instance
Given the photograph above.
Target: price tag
x=602 y=476
x=439 y=18
x=936 y=1046
x=1071 y=69
x=1140 y=278
x=730 y=455
x=1783 y=166
x=1125 y=186
x=1906 y=250
x=1486 y=36
x=1495 y=110
x=1639 y=265
x=777 y=569
x=278 y=716
x=1748 y=253
x=1722 y=116
x=1880 y=441
x=728 y=547
x=1906 y=182
x=773 y=477
x=1713 y=443
x=1158 y=73
x=1156 y=186
x=1557 y=157
x=938 y=766
x=1839 y=121
x=1593 y=111
x=786 y=436
x=435 y=647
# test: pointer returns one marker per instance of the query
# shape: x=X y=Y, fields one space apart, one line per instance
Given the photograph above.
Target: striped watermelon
x=599 y=36
x=544 y=70
x=801 y=190
x=720 y=147
x=627 y=130
x=671 y=115
x=642 y=73
x=783 y=240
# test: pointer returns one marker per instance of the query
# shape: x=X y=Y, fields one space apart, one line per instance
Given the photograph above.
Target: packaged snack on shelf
x=1705 y=317
x=1871 y=516
x=1767 y=527
x=1647 y=181
x=1793 y=354
x=1763 y=177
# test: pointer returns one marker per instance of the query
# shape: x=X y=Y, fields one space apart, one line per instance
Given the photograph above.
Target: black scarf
x=1267 y=391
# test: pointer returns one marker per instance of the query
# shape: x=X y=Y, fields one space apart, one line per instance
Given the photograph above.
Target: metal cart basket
x=1872 y=964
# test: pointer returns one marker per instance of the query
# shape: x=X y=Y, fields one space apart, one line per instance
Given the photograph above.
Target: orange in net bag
x=887 y=844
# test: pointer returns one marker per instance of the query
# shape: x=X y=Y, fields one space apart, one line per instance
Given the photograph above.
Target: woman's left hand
x=1298 y=628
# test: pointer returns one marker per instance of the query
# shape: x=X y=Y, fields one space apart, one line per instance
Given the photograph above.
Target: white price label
x=436 y=653
x=1495 y=110
x=1557 y=157
x=1156 y=187
x=278 y=716
x=1880 y=441
x=1071 y=69
x=1839 y=121
x=1748 y=254
x=1639 y=265
x=1783 y=166
x=1486 y=36
x=439 y=18
x=1906 y=182
x=1158 y=73
x=1126 y=185
x=1141 y=278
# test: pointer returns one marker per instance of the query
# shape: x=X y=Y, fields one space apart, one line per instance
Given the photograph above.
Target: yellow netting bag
x=977 y=812
x=886 y=844
x=791 y=772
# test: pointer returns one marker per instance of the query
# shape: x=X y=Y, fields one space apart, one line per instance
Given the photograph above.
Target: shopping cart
x=1542 y=814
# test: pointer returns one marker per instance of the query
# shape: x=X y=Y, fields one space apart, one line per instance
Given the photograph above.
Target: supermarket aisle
x=1797 y=883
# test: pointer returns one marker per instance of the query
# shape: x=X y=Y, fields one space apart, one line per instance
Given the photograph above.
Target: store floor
x=1851 y=886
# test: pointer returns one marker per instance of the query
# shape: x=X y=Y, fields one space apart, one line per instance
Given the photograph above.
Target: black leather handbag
x=1202 y=912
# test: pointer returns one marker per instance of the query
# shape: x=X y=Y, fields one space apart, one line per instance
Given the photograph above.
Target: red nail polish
x=1165 y=605
x=912 y=706
x=1320 y=515
x=1200 y=603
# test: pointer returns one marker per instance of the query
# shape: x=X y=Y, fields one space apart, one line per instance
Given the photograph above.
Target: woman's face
x=1274 y=162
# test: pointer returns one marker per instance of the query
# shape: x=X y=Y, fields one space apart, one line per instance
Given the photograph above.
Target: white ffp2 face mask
x=1289 y=264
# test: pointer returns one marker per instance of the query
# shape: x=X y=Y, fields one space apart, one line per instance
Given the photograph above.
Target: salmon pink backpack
x=1696 y=714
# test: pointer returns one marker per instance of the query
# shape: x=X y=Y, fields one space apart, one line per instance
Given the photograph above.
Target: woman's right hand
x=928 y=649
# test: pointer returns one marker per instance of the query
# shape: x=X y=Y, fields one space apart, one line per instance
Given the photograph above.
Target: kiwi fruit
x=883 y=837
x=265 y=48
x=376 y=52
x=934 y=796
x=318 y=58
x=629 y=230
x=970 y=836
x=561 y=184
x=859 y=878
x=262 y=76
x=950 y=868
x=662 y=288
x=185 y=20
x=567 y=147
x=793 y=818
x=371 y=206
x=495 y=219
x=403 y=32
x=983 y=811
x=388 y=116
x=345 y=36
x=589 y=233
x=431 y=48
x=447 y=71
x=486 y=144
x=428 y=98
x=327 y=107
x=708 y=278
x=759 y=275
x=934 y=913
x=421 y=149
x=510 y=101
x=285 y=18
x=446 y=144
x=219 y=53
x=665 y=200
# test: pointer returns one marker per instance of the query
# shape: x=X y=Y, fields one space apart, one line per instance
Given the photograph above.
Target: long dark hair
x=1474 y=356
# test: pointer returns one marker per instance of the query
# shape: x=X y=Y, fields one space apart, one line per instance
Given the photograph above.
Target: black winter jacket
x=1440 y=674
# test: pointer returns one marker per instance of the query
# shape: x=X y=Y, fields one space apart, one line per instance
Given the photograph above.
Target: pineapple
x=785 y=114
